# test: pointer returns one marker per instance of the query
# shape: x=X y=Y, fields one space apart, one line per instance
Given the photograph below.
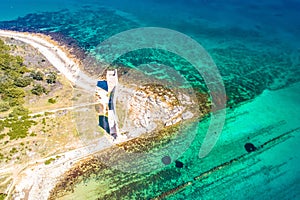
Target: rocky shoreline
x=179 y=112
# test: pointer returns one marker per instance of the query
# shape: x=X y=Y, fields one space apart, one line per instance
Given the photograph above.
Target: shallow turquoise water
x=255 y=45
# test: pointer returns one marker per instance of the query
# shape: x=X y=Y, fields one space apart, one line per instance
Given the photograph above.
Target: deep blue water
x=274 y=18
x=255 y=45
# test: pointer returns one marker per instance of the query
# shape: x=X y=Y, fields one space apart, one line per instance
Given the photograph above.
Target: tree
x=51 y=78
x=38 y=90
x=23 y=81
x=39 y=76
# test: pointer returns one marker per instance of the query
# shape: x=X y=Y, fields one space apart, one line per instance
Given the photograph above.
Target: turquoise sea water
x=255 y=45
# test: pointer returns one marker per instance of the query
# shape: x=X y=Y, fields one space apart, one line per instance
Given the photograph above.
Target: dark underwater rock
x=178 y=164
x=250 y=147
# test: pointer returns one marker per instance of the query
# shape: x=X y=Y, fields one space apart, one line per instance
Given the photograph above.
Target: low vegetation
x=51 y=78
x=29 y=84
x=52 y=100
x=2 y=196
x=4 y=106
x=48 y=162
x=38 y=90
x=37 y=75
x=15 y=78
x=18 y=125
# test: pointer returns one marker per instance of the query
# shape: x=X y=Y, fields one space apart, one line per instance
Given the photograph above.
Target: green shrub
x=48 y=162
x=13 y=150
x=5 y=83
x=2 y=196
x=14 y=93
x=39 y=76
x=2 y=126
x=52 y=100
x=16 y=101
x=14 y=96
x=51 y=78
x=4 y=107
x=44 y=121
x=37 y=116
x=33 y=134
x=19 y=111
x=2 y=136
x=13 y=74
x=3 y=47
x=38 y=90
x=23 y=81
x=19 y=128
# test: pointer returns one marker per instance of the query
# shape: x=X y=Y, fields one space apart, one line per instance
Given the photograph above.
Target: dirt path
x=62 y=109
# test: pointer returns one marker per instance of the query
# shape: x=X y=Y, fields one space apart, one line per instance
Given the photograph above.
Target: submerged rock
x=250 y=147
x=166 y=160
x=178 y=164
